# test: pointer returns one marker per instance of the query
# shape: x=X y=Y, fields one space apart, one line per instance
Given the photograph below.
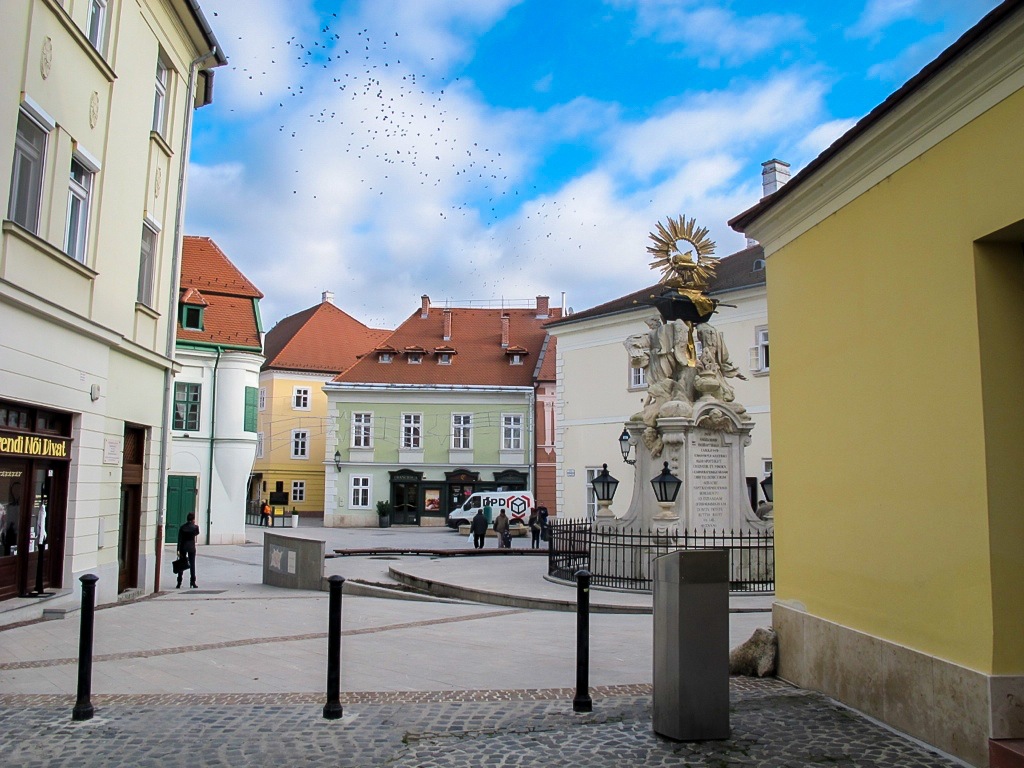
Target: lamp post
x=604 y=489
x=626 y=443
x=767 y=487
x=666 y=489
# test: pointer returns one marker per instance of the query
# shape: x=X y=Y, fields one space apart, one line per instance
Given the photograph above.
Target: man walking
x=501 y=528
x=478 y=527
x=187 y=548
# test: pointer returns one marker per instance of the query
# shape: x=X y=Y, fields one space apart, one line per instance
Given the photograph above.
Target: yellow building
x=94 y=133
x=897 y=302
x=304 y=351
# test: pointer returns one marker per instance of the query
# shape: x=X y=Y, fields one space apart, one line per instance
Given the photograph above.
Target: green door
x=181 y=499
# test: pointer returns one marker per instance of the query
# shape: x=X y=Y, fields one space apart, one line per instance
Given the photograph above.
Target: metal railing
x=280 y=516
x=623 y=558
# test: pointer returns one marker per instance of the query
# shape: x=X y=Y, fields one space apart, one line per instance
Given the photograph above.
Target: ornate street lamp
x=766 y=486
x=625 y=445
x=604 y=489
x=337 y=460
x=666 y=489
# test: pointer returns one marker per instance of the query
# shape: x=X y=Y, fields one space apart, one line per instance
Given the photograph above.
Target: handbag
x=179 y=565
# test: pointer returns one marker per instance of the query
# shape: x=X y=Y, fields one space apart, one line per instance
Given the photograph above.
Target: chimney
x=504 y=330
x=542 y=306
x=447 y=325
x=424 y=306
x=327 y=297
x=774 y=174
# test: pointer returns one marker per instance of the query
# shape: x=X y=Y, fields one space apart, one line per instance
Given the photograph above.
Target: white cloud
x=879 y=14
x=712 y=34
x=821 y=136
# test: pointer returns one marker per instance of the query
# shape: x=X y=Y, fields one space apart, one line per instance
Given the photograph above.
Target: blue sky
x=504 y=149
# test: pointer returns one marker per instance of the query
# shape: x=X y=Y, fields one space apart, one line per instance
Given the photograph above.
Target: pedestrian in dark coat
x=187 y=535
x=534 y=524
x=501 y=528
x=478 y=527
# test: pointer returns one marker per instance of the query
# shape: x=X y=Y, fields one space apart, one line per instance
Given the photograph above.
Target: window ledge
x=146 y=310
x=161 y=142
x=79 y=37
x=16 y=230
x=764 y=372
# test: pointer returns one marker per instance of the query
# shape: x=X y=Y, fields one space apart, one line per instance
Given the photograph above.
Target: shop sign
x=34 y=446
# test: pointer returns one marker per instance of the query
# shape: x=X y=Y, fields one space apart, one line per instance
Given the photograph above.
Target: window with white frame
x=263 y=398
x=362 y=429
x=592 y=472
x=77 y=226
x=147 y=265
x=27 y=173
x=462 y=431
x=259 y=445
x=300 y=444
x=444 y=358
x=298 y=490
x=359 y=492
x=300 y=398
x=97 y=23
x=512 y=431
x=637 y=377
x=160 y=97
x=766 y=467
x=385 y=357
x=759 y=352
x=515 y=359
x=414 y=358
x=412 y=431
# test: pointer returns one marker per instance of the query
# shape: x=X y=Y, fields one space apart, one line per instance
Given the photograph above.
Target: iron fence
x=280 y=517
x=623 y=558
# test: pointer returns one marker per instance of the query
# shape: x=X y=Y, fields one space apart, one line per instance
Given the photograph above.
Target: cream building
x=598 y=389
x=94 y=130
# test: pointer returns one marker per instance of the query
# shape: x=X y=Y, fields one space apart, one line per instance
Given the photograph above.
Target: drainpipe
x=172 y=325
x=213 y=438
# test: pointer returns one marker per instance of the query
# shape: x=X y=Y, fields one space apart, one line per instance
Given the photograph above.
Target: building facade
x=897 y=425
x=88 y=281
x=215 y=398
x=442 y=408
x=304 y=351
x=598 y=389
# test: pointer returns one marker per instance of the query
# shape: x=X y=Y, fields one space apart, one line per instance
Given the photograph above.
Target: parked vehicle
x=517 y=506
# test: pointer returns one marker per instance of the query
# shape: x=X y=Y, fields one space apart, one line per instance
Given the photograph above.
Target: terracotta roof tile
x=210 y=280
x=321 y=339
x=478 y=359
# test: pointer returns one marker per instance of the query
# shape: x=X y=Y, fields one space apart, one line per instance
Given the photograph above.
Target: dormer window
x=515 y=359
x=414 y=358
x=759 y=265
x=385 y=357
x=444 y=358
x=191 y=317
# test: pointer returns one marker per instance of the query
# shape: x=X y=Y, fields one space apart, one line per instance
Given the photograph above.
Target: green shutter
x=251 y=399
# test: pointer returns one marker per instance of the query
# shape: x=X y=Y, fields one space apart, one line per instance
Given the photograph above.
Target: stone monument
x=691 y=418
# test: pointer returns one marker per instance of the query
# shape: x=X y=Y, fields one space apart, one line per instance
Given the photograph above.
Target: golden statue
x=688 y=270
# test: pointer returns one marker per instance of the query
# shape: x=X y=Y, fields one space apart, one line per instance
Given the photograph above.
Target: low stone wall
x=293 y=563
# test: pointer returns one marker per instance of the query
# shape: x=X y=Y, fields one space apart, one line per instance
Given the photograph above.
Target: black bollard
x=83 y=706
x=582 y=702
x=332 y=709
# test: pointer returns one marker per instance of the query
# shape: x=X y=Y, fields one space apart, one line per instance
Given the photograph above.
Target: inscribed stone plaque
x=709 y=472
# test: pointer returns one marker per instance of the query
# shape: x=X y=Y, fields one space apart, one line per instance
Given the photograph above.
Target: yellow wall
x=896 y=384
x=277 y=421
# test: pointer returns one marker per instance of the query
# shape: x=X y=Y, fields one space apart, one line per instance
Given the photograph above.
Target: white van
x=517 y=506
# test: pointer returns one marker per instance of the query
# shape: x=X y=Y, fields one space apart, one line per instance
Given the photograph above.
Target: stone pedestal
x=705 y=451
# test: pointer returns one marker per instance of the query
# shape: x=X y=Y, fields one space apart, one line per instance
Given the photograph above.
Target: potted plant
x=384 y=514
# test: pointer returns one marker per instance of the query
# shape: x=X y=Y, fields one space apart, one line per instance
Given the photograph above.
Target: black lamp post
x=337 y=460
x=604 y=489
x=625 y=444
x=666 y=489
x=766 y=486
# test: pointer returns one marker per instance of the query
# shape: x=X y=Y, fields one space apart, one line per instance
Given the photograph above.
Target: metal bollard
x=582 y=701
x=332 y=709
x=83 y=706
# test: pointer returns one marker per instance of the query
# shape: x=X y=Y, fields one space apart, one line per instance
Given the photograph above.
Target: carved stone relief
x=94 y=109
x=46 y=58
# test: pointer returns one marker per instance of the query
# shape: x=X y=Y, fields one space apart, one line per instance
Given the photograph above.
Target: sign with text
x=35 y=446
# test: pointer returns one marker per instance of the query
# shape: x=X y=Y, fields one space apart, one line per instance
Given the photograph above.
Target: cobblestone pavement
x=773 y=725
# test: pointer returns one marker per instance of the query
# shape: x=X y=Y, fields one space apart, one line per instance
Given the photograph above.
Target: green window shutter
x=251 y=398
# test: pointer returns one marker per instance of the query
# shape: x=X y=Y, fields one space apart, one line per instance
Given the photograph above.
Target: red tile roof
x=321 y=339
x=209 y=279
x=476 y=339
